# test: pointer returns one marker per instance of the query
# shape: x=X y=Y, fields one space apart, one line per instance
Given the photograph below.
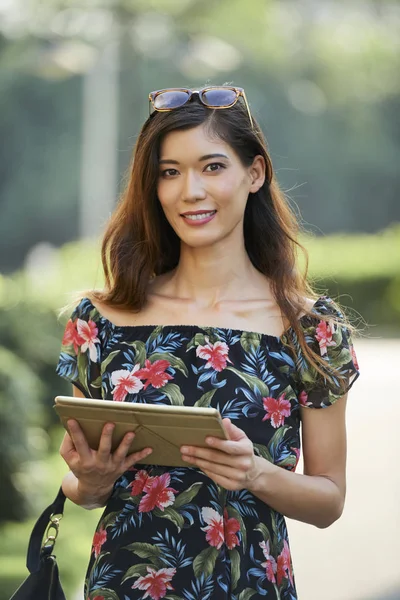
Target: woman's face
x=203 y=186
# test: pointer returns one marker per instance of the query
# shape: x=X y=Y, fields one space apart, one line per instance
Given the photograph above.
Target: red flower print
x=98 y=540
x=276 y=410
x=323 y=335
x=231 y=527
x=157 y=493
x=138 y=484
x=71 y=336
x=216 y=354
x=155 y=374
x=284 y=566
x=303 y=398
x=156 y=583
x=354 y=357
x=125 y=382
x=270 y=564
x=88 y=331
x=215 y=527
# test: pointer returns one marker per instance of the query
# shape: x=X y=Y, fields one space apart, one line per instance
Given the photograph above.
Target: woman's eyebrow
x=201 y=159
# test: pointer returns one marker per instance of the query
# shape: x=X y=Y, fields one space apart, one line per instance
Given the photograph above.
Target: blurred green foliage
x=321 y=77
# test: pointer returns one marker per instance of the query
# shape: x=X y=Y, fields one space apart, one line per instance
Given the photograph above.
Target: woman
x=204 y=304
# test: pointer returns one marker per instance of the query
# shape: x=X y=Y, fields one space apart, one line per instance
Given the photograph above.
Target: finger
x=123 y=448
x=236 y=448
x=78 y=439
x=224 y=482
x=67 y=448
x=133 y=458
x=234 y=433
x=216 y=470
x=212 y=456
x=104 y=449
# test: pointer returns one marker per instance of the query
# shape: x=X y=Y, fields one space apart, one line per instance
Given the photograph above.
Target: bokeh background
x=322 y=77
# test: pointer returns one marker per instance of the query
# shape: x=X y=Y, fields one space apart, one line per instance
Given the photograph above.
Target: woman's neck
x=206 y=277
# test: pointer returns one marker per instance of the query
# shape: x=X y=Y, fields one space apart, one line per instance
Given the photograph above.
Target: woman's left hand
x=229 y=463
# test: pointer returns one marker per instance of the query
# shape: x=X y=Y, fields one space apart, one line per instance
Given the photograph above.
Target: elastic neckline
x=185 y=327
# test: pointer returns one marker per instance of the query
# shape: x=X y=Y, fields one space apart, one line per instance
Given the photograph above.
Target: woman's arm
x=316 y=497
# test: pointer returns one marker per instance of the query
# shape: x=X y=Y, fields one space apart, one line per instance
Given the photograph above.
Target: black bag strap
x=44 y=522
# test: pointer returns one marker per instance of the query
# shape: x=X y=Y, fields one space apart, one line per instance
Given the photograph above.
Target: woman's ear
x=257 y=173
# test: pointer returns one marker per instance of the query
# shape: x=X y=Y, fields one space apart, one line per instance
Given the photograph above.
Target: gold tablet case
x=164 y=428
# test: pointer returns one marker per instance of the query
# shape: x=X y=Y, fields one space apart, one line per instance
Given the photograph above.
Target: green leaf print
x=144 y=550
x=249 y=340
x=263 y=529
x=97 y=382
x=155 y=333
x=136 y=571
x=128 y=496
x=339 y=359
x=251 y=381
x=205 y=562
x=277 y=439
x=109 y=519
x=246 y=594
x=205 y=399
x=140 y=351
x=173 y=392
x=188 y=495
x=107 y=361
x=103 y=593
x=235 y=514
x=175 y=362
x=263 y=452
x=197 y=340
x=235 y=567
x=172 y=515
x=82 y=369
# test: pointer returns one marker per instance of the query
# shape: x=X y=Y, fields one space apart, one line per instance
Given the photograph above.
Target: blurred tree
x=321 y=77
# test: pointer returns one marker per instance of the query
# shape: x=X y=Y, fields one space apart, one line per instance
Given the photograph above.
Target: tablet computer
x=164 y=428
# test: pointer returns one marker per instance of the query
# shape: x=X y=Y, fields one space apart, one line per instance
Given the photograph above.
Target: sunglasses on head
x=215 y=97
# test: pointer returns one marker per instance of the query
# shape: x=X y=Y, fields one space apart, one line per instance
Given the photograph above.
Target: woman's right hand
x=97 y=470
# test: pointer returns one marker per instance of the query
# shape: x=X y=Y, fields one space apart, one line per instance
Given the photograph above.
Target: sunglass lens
x=171 y=99
x=219 y=97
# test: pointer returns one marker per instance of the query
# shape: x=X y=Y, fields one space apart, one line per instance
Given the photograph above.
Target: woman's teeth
x=199 y=216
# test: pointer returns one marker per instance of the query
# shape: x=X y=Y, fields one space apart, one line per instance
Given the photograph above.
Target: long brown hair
x=139 y=243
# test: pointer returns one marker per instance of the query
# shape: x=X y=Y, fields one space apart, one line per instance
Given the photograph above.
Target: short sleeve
x=332 y=340
x=80 y=356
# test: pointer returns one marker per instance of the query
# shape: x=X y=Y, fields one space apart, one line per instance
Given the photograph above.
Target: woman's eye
x=212 y=167
x=169 y=173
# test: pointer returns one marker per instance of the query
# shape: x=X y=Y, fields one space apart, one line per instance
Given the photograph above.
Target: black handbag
x=43 y=581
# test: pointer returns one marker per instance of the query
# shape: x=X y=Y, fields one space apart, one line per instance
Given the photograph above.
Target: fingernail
x=149 y=451
x=130 y=436
x=210 y=441
x=109 y=427
x=184 y=449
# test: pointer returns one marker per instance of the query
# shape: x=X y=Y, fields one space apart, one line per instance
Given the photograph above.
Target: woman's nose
x=193 y=189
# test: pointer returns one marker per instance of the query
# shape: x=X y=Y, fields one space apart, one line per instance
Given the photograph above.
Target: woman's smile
x=198 y=217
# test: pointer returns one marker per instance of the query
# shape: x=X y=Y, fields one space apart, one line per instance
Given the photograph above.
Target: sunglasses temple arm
x=248 y=109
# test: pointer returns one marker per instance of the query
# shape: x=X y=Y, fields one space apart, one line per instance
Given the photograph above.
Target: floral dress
x=171 y=532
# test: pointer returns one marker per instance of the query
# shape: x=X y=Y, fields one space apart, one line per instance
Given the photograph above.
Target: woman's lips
x=199 y=218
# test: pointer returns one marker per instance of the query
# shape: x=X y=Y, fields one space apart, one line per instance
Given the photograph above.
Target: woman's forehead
x=187 y=144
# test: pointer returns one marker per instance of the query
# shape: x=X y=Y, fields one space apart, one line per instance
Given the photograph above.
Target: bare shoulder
x=307 y=306
x=118 y=316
